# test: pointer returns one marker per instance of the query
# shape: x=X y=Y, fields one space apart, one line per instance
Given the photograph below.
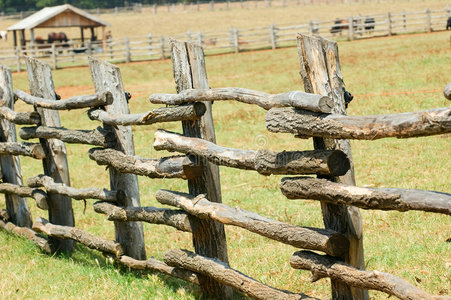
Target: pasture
x=386 y=75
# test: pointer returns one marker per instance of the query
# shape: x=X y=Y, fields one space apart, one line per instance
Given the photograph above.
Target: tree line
x=11 y=6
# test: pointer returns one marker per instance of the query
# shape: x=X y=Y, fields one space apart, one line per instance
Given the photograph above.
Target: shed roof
x=58 y=16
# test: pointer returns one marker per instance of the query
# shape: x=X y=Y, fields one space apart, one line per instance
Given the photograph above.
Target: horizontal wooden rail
x=24 y=191
x=78 y=235
x=153 y=264
x=224 y=274
x=166 y=167
x=325 y=266
x=265 y=162
x=162 y=114
x=96 y=137
x=324 y=240
x=20 y=118
x=27 y=233
x=403 y=125
x=267 y=101
x=71 y=103
x=178 y=219
x=366 y=198
x=26 y=149
x=78 y=194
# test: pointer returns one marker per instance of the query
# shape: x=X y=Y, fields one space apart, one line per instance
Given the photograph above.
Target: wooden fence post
x=149 y=37
x=162 y=47
x=107 y=78
x=209 y=237
x=53 y=56
x=321 y=74
x=154 y=9
x=389 y=27
x=273 y=36
x=428 y=21
x=200 y=38
x=128 y=55
x=11 y=173
x=18 y=59
x=235 y=39
x=55 y=163
x=351 y=29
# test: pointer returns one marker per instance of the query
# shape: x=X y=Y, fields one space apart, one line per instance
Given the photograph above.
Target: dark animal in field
x=348 y=97
x=448 y=23
x=56 y=37
x=339 y=26
x=369 y=24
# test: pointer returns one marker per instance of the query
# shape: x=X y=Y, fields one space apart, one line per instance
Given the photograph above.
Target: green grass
x=411 y=245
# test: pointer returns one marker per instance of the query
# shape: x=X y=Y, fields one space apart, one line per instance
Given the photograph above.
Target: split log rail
x=320 y=115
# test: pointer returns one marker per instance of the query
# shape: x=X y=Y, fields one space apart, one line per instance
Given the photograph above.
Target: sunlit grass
x=411 y=245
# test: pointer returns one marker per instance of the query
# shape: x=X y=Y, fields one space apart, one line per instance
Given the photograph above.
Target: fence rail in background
x=232 y=41
x=201 y=212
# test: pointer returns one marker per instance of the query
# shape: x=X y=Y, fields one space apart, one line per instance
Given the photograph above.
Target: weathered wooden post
x=53 y=56
x=321 y=74
x=11 y=173
x=235 y=39
x=107 y=78
x=55 y=163
x=149 y=37
x=18 y=59
x=351 y=29
x=128 y=55
x=273 y=36
x=209 y=236
x=428 y=21
x=162 y=47
x=200 y=38
x=389 y=26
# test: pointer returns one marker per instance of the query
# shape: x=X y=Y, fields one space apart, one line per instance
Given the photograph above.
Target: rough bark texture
x=77 y=194
x=78 y=235
x=166 y=167
x=404 y=125
x=326 y=266
x=55 y=164
x=19 y=118
x=25 y=191
x=162 y=114
x=209 y=237
x=96 y=137
x=267 y=101
x=323 y=240
x=447 y=91
x=107 y=78
x=25 y=149
x=10 y=165
x=155 y=265
x=100 y=99
x=175 y=218
x=384 y=199
x=263 y=161
x=27 y=233
x=221 y=272
x=321 y=74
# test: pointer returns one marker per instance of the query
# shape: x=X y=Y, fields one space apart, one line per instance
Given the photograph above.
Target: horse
x=448 y=23
x=369 y=24
x=339 y=26
x=56 y=36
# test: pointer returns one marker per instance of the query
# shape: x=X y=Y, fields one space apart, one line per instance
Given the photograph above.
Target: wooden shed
x=56 y=17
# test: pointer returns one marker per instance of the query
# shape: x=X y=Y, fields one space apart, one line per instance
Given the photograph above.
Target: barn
x=61 y=16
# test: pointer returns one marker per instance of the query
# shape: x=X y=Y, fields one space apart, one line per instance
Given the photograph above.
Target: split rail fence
x=319 y=113
x=234 y=40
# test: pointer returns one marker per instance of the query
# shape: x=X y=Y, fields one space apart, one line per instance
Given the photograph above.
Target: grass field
x=386 y=75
